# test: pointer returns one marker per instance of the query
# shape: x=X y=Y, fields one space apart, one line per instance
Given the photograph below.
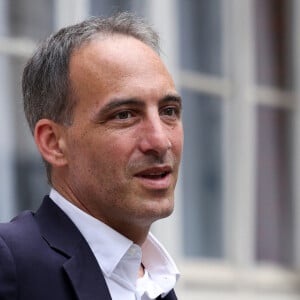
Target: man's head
x=46 y=85
x=106 y=116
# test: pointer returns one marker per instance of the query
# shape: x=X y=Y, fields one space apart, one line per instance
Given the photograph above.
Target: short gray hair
x=46 y=86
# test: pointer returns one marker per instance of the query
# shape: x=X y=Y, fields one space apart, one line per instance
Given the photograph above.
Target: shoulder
x=12 y=236
x=19 y=230
x=8 y=282
x=19 y=238
x=22 y=237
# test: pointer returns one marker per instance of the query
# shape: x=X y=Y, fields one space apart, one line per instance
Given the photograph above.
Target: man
x=106 y=119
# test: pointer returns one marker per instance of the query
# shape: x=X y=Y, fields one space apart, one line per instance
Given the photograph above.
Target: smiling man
x=106 y=118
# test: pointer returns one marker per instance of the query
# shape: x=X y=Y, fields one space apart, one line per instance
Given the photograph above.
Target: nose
x=154 y=137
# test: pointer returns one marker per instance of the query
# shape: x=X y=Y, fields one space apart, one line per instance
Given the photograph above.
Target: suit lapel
x=81 y=266
x=85 y=275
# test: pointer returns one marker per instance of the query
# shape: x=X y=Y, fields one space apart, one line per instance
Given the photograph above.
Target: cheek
x=102 y=152
x=120 y=146
x=177 y=141
x=111 y=156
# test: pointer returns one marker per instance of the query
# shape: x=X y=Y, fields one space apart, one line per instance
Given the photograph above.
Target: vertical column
x=7 y=145
x=70 y=11
x=164 y=17
x=296 y=131
x=240 y=133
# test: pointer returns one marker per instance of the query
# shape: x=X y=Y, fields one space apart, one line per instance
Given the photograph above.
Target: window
x=202 y=175
x=238 y=200
x=274 y=235
x=24 y=24
x=201 y=57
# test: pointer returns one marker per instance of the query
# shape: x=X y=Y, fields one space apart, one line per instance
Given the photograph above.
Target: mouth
x=155 y=173
x=156 y=177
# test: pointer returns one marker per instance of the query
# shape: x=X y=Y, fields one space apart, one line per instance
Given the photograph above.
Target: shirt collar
x=108 y=245
x=160 y=266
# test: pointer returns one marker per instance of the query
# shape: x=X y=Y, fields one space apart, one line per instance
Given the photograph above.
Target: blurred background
x=235 y=232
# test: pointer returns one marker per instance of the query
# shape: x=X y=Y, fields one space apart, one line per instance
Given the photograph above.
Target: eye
x=123 y=115
x=171 y=111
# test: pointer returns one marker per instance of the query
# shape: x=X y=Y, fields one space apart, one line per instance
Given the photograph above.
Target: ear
x=49 y=139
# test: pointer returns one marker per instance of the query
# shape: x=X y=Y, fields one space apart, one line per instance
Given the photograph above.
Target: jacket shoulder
x=29 y=268
x=8 y=281
x=19 y=230
x=12 y=236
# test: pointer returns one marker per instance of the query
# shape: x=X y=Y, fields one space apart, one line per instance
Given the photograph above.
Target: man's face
x=124 y=145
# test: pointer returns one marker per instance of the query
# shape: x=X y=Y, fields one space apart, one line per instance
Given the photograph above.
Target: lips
x=155 y=173
x=156 y=177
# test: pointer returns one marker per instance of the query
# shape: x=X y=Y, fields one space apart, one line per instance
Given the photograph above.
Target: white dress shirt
x=120 y=259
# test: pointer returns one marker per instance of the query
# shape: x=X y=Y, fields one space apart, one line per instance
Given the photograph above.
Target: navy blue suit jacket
x=43 y=256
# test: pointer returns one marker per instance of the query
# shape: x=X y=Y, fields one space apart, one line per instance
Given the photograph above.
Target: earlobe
x=50 y=142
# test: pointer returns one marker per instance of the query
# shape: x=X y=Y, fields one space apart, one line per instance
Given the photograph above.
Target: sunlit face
x=124 y=145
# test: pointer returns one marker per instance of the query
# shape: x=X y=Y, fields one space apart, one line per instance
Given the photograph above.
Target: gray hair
x=46 y=86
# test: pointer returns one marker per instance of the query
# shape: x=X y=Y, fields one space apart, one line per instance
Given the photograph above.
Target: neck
x=134 y=231
x=141 y=271
x=137 y=234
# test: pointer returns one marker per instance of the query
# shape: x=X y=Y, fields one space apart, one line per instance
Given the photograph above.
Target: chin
x=163 y=211
x=154 y=207
x=149 y=217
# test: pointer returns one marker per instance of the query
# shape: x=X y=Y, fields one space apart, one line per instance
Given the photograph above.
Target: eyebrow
x=171 y=98
x=117 y=102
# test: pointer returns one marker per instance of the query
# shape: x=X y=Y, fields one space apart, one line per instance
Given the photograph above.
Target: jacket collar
x=81 y=266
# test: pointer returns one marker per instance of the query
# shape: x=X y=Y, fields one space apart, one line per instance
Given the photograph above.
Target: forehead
x=109 y=58
x=117 y=67
x=116 y=44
